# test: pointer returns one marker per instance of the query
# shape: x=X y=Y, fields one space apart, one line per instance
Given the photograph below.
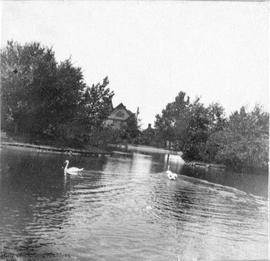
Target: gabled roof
x=122 y=106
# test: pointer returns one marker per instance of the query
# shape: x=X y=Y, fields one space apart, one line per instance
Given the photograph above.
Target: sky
x=152 y=50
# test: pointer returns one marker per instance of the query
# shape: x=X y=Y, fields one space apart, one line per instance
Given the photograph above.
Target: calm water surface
x=125 y=208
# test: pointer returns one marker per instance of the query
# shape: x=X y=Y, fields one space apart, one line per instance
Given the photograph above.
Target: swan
x=72 y=170
x=170 y=174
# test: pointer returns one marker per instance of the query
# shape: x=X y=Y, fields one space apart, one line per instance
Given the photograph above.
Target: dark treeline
x=205 y=134
x=43 y=100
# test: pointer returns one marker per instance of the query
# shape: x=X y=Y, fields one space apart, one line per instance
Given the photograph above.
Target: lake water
x=125 y=208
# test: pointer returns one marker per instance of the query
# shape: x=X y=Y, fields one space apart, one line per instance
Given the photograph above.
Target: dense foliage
x=43 y=99
x=205 y=134
x=245 y=140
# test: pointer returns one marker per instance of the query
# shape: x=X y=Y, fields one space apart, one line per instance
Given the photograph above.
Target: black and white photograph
x=134 y=130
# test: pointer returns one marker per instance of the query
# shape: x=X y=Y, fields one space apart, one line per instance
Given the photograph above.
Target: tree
x=203 y=133
x=43 y=98
x=217 y=119
x=27 y=75
x=185 y=124
x=97 y=104
x=217 y=122
x=69 y=91
x=172 y=123
x=196 y=132
x=37 y=94
x=244 y=143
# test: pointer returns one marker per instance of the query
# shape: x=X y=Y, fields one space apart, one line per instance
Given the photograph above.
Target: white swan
x=170 y=174
x=72 y=170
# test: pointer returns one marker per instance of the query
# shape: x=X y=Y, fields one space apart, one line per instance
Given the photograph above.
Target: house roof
x=122 y=106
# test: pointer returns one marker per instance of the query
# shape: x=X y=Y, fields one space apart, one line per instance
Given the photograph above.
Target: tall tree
x=37 y=94
x=171 y=124
x=245 y=140
x=69 y=91
x=27 y=74
x=197 y=131
x=217 y=118
x=97 y=104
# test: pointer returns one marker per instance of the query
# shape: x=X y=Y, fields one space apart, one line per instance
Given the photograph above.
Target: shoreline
x=144 y=148
x=150 y=149
x=95 y=152
x=206 y=165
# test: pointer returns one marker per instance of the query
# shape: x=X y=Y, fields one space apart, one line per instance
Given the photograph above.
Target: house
x=118 y=117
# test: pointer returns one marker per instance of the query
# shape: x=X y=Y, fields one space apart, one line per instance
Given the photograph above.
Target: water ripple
x=126 y=209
